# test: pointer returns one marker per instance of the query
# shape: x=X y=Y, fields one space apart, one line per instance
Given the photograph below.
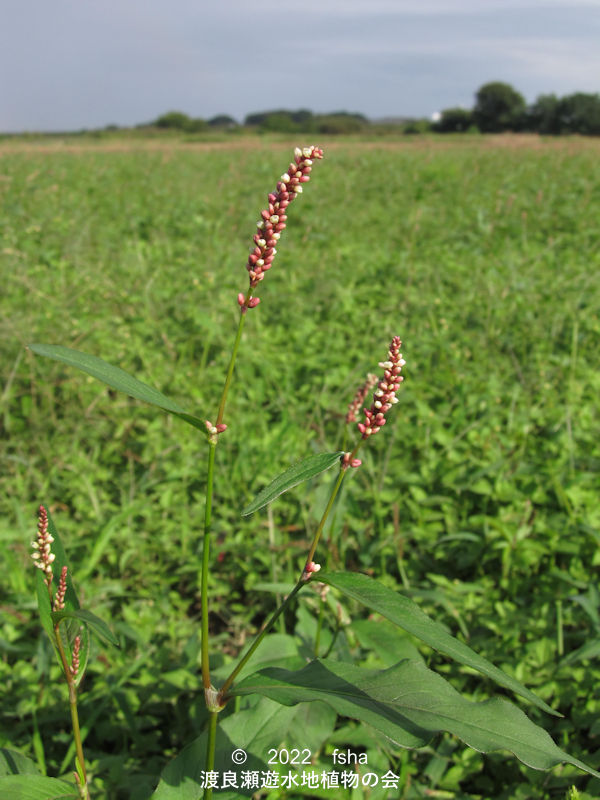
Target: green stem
x=334 y=492
x=229 y=376
x=206 y=561
x=319 y=627
x=210 y=749
x=338 y=628
x=84 y=790
x=303 y=580
x=212 y=443
x=260 y=636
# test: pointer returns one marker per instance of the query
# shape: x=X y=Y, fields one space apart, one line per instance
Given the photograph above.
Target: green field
x=479 y=500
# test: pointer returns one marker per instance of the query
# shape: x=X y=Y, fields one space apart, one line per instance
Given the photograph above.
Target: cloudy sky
x=71 y=64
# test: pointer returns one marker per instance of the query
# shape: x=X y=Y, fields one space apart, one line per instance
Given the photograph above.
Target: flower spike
x=42 y=554
x=384 y=396
x=359 y=397
x=273 y=220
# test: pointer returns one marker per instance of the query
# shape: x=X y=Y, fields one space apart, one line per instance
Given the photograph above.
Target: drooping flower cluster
x=273 y=220
x=384 y=396
x=359 y=398
x=42 y=555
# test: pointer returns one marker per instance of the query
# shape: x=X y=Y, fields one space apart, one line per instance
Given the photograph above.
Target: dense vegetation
x=498 y=107
x=484 y=258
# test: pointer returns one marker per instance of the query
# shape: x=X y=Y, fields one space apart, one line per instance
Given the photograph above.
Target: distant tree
x=173 y=119
x=454 y=120
x=279 y=122
x=544 y=115
x=280 y=119
x=177 y=120
x=498 y=107
x=416 y=126
x=580 y=113
x=340 y=122
x=303 y=118
x=196 y=125
x=222 y=121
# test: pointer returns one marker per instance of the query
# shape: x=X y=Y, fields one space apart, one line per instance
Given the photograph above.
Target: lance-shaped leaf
x=96 y=624
x=408 y=616
x=116 y=378
x=36 y=787
x=298 y=473
x=409 y=704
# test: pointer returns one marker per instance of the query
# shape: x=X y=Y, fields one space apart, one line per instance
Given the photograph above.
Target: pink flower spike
x=42 y=554
x=74 y=668
x=59 y=600
x=273 y=218
x=384 y=396
x=359 y=397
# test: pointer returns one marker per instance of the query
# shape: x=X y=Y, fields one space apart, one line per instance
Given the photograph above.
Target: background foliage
x=484 y=258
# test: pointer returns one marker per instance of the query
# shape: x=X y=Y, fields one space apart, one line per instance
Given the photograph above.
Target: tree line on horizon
x=498 y=108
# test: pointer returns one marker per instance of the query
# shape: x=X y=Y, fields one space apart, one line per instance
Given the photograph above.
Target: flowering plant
x=407 y=703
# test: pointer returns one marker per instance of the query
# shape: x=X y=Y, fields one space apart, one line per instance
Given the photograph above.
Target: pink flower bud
x=253 y=302
x=241 y=299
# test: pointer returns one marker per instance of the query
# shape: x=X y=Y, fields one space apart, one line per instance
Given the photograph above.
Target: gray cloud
x=69 y=64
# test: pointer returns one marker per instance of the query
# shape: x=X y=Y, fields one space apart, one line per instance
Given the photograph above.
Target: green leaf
x=409 y=704
x=408 y=616
x=36 y=787
x=13 y=763
x=298 y=473
x=98 y=625
x=117 y=378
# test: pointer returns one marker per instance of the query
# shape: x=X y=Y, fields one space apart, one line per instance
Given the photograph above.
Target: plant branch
x=206 y=561
x=260 y=636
